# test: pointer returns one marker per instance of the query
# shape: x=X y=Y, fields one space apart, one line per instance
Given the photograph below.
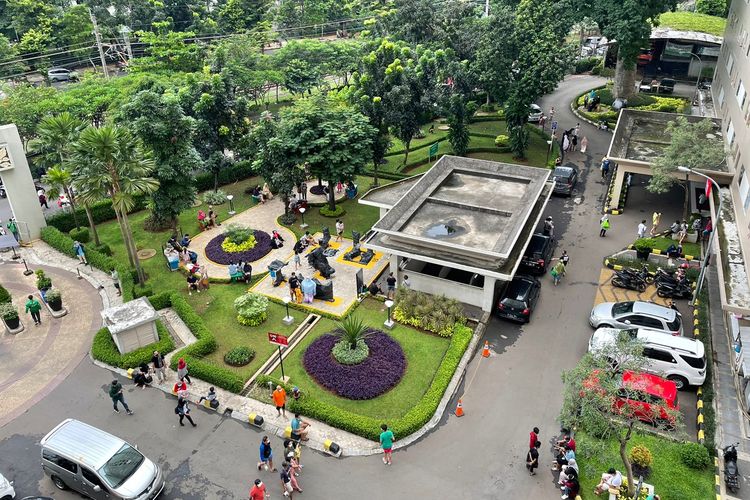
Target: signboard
x=434 y=149
x=554 y=125
x=278 y=339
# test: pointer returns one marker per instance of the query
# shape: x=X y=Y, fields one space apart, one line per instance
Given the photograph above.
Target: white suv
x=6 y=488
x=636 y=314
x=679 y=359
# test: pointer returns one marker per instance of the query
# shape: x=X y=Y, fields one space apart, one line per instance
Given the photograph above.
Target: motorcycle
x=643 y=274
x=676 y=291
x=731 y=471
x=629 y=282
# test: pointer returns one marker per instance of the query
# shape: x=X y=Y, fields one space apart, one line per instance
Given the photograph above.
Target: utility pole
x=99 y=44
x=486 y=8
x=126 y=37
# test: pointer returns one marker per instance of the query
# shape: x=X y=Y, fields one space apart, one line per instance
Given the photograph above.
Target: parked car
x=649 y=398
x=666 y=85
x=61 y=75
x=566 y=178
x=645 y=57
x=679 y=359
x=6 y=489
x=535 y=113
x=517 y=301
x=538 y=254
x=636 y=314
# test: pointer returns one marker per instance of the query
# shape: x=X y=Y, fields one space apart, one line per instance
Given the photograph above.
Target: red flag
x=708 y=188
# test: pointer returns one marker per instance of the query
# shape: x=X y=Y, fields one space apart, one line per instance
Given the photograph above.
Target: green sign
x=434 y=149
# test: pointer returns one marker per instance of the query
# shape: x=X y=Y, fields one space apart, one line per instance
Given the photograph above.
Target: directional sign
x=554 y=125
x=278 y=339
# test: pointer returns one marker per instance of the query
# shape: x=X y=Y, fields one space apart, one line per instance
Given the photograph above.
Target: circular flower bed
x=346 y=356
x=239 y=356
x=381 y=371
x=316 y=189
x=230 y=247
x=216 y=253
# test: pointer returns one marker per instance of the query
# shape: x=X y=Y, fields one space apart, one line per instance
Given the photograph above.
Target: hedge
x=369 y=427
x=101 y=211
x=105 y=350
x=236 y=172
x=161 y=300
x=64 y=244
x=206 y=344
x=4 y=295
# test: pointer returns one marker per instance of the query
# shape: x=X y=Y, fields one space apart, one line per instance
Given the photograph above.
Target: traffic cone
x=459 y=409
x=486 y=350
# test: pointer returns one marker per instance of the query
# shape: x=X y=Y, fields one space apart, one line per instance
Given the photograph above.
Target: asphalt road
x=480 y=455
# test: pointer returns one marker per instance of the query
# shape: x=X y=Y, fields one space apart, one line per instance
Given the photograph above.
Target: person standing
x=584 y=144
x=293 y=285
x=80 y=252
x=34 y=307
x=405 y=282
x=391 y=283
x=558 y=272
x=655 y=220
x=386 y=442
x=13 y=228
x=605 y=167
x=183 y=410
x=43 y=199
x=549 y=227
x=116 y=281
x=303 y=191
x=258 y=491
x=565 y=258
x=603 y=225
x=339 y=229
x=182 y=371
x=266 y=454
x=577 y=130
x=533 y=437
x=642 y=229
x=204 y=284
x=286 y=480
x=115 y=392
x=159 y=364
x=279 y=400
x=532 y=458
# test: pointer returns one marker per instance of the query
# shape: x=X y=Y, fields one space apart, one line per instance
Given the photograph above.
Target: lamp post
x=302 y=213
x=288 y=319
x=389 y=322
x=28 y=271
x=698 y=80
x=714 y=224
x=230 y=197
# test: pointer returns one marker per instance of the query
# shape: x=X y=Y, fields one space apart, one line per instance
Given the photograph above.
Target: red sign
x=278 y=339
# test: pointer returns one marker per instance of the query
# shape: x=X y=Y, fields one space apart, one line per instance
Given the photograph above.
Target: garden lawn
x=423 y=352
x=693 y=21
x=688 y=248
x=216 y=307
x=160 y=278
x=670 y=477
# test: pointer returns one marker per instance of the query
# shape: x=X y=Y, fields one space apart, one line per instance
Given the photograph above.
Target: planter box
x=14 y=331
x=691 y=237
x=55 y=314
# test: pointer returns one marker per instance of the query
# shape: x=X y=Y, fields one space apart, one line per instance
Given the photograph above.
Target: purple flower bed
x=215 y=253
x=377 y=374
x=317 y=189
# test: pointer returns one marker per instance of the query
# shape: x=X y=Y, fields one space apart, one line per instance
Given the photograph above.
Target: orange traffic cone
x=459 y=409
x=486 y=350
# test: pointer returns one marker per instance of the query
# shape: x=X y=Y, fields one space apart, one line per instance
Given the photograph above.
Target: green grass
x=216 y=307
x=692 y=21
x=670 y=477
x=688 y=248
x=493 y=128
x=423 y=351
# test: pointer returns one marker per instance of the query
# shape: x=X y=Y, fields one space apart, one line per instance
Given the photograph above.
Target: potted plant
x=43 y=283
x=643 y=247
x=9 y=314
x=54 y=299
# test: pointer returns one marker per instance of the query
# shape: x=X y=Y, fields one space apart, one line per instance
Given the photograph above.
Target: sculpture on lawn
x=355 y=251
x=326 y=237
x=319 y=262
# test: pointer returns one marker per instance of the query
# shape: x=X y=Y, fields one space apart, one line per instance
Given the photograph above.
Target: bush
x=215 y=197
x=694 y=455
x=161 y=300
x=325 y=211
x=4 y=295
x=53 y=295
x=601 y=70
x=142 y=291
x=105 y=350
x=502 y=141
x=103 y=248
x=252 y=309
x=238 y=239
x=586 y=64
x=239 y=356
x=8 y=311
x=236 y=172
x=81 y=234
x=344 y=354
x=644 y=244
x=487 y=108
x=42 y=281
x=101 y=211
x=641 y=459
x=434 y=313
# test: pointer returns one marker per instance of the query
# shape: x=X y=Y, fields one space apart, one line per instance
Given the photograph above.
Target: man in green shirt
x=386 y=442
x=13 y=228
x=33 y=306
x=115 y=392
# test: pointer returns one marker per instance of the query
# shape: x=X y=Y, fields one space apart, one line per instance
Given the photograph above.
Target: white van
x=679 y=359
x=97 y=464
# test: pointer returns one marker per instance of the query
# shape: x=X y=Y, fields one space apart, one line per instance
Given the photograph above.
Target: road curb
x=717 y=479
x=699 y=404
x=623 y=195
x=574 y=109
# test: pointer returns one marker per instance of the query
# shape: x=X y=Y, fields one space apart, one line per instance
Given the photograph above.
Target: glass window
x=60 y=461
x=730 y=64
x=91 y=477
x=622 y=308
x=645 y=321
x=721 y=97
x=121 y=466
x=658 y=355
x=741 y=94
x=730 y=134
x=744 y=187
x=674 y=325
x=699 y=363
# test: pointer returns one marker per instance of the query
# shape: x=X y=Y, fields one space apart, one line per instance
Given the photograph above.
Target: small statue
x=319 y=262
x=355 y=251
x=326 y=237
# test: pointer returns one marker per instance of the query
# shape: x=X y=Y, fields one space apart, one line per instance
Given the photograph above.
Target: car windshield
x=517 y=290
x=674 y=325
x=699 y=363
x=121 y=466
x=622 y=308
x=515 y=304
x=562 y=173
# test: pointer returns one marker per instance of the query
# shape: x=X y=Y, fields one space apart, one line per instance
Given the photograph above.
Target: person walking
x=43 y=199
x=279 y=400
x=642 y=228
x=605 y=167
x=532 y=458
x=294 y=470
x=13 y=228
x=80 y=252
x=293 y=286
x=159 y=364
x=655 y=220
x=533 y=436
x=558 y=272
x=266 y=455
x=603 y=225
x=34 y=307
x=115 y=392
x=286 y=480
x=339 y=229
x=391 y=284
x=258 y=491
x=182 y=371
x=584 y=144
x=565 y=258
x=183 y=410
x=549 y=227
x=386 y=442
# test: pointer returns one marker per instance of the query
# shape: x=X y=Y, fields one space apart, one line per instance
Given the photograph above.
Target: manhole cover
x=146 y=253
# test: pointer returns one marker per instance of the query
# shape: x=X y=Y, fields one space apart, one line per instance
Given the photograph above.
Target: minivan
x=679 y=359
x=61 y=75
x=97 y=464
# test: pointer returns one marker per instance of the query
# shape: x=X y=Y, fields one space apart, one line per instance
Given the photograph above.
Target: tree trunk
x=406 y=152
x=624 y=79
x=216 y=181
x=331 y=195
x=625 y=459
x=376 y=164
x=92 y=226
x=124 y=239
x=72 y=201
x=320 y=182
x=130 y=244
x=686 y=204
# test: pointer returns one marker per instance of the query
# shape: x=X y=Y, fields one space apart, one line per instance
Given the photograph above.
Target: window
x=730 y=135
x=744 y=188
x=121 y=466
x=721 y=97
x=91 y=477
x=658 y=355
x=60 y=461
x=741 y=94
x=699 y=363
x=645 y=321
x=730 y=64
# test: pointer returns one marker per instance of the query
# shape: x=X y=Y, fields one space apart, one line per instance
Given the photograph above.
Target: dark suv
x=538 y=254
x=517 y=301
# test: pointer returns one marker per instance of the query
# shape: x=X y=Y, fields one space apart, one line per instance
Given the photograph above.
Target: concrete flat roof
x=387 y=196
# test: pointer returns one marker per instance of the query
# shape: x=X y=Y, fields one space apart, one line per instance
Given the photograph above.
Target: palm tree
x=114 y=165
x=55 y=137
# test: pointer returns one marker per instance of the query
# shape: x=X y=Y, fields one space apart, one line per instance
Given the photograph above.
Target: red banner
x=278 y=339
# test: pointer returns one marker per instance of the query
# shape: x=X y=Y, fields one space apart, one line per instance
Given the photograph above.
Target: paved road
x=477 y=456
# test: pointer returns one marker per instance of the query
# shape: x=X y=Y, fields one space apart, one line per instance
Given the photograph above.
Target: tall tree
x=241 y=16
x=114 y=165
x=158 y=120
x=8 y=64
x=495 y=56
x=168 y=51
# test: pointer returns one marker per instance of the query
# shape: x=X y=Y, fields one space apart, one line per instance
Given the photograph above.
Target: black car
x=517 y=301
x=538 y=254
x=666 y=86
x=566 y=178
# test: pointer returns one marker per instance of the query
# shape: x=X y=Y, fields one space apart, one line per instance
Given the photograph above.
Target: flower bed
x=374 y=376
x=216 y=253
x=318 y=190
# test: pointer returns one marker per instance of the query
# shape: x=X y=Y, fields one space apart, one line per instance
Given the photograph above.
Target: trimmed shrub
x=694 y=455
x=238 y=238
x=236 y=172
x=239 y=356
x=142 y=291
x=641 y=460
x=344 y=354
x=434 y=313
x=105 y=350
x=8 y=311
x=252 y=309
x=586 y=64
x=502 y=141
x=101 y=211
x=161 y=300
x=103 y=248
x=4 y=295
x=215 y=197
x=42 y=281
x=325 y=211
x=81 y=234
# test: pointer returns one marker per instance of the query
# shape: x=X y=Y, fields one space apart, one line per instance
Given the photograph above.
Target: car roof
x=518 y=288
x=563 y=170
x=79 y=441
x=58 y=69
x=654 y=310
x=650 y=384
x=535 y=106
x=693 y=347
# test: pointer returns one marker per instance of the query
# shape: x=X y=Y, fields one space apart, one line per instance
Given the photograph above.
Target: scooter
x=678 y=291
x=731 y=471
x=643 y=274
x=628 y=281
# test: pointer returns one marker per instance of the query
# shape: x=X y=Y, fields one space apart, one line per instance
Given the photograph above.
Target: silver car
x=632 y=314
x=61 y=75
x=535 y=113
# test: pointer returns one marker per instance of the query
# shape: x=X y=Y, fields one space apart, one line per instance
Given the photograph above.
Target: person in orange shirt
x=279 y=399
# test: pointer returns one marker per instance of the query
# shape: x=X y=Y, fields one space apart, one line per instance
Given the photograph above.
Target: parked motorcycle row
x=674 y=285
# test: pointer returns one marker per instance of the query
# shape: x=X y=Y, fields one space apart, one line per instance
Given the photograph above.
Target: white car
x=636 y=314
x=535 y=113
x=6 y=489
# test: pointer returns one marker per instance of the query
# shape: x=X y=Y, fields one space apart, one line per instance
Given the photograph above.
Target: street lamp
x=302 y=213
x=714 y=228
x=698 y=80
x=230 y=197
x=389 y=322
x=288 y=319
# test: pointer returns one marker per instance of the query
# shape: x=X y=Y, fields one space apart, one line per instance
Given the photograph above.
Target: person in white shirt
x=642 y=229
